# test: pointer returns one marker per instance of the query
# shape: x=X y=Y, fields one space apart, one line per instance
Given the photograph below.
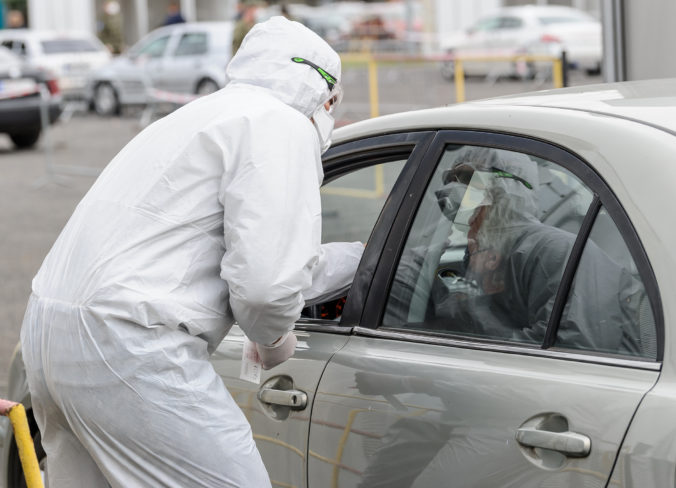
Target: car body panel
x=282 y=443
x=433 y=413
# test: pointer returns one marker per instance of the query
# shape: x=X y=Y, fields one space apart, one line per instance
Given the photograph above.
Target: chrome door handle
x=294 y=399
x=569 y=443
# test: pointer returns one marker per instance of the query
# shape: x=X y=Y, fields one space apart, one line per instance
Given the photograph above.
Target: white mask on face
x=323 y=122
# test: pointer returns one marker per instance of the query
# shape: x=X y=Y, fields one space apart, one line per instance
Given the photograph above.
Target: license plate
x=13 y=88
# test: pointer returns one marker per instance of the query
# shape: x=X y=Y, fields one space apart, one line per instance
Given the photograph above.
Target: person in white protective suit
x=209 y=216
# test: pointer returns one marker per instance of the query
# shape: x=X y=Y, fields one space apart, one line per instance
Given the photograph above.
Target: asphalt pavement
x=40 y=188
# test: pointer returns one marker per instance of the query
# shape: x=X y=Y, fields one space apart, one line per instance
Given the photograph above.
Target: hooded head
x=265 y=59
x=493 y=177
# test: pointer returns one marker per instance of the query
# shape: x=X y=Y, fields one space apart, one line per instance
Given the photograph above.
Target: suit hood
x=264 y=60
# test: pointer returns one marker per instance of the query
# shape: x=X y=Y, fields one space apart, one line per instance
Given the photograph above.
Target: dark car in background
x=29 y=98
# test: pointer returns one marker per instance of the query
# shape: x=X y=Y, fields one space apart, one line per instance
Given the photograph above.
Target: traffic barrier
x=24 y=441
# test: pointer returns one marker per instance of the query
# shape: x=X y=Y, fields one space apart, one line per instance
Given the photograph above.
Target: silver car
x=180 y=59
x=555 y=373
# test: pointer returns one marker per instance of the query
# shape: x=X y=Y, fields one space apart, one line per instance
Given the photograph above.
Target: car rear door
x=421 y=395
x=364 y=181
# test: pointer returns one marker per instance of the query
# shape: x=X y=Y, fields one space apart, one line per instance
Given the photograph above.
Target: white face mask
x=323 y=122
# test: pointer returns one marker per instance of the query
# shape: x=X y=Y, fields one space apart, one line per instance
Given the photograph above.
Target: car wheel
x=105 y=100
x=594 y=71
x=25 y=140
x=15 y=477
x=206 y=86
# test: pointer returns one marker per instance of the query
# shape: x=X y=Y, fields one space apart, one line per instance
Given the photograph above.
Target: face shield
x=466 y=188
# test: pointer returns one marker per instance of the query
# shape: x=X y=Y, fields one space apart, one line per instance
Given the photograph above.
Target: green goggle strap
x=329 y=78
x=504 y=174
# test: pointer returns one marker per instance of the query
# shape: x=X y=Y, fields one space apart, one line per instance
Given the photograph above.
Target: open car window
x=351 y=204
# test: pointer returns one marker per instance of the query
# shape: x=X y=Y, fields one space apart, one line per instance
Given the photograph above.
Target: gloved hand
x=278 y=352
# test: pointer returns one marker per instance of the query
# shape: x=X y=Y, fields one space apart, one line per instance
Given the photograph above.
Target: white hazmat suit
x=209 y=216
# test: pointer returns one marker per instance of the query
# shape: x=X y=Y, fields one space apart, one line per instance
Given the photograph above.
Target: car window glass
x=351 y=205
x=488 y=246
x=487 y=24
x=607 y=308
x=510 y=23
x=192 y=44
x=22 y=48
x=155 y=48
x=8 y=44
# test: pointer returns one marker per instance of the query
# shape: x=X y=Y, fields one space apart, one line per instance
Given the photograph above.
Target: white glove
x=279 y=352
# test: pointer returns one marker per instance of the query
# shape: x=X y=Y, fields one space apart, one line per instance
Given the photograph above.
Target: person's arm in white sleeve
x=334 y=272
x=272 y=219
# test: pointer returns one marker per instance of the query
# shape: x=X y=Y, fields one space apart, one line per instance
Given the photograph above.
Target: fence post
x=24 y=442
x=373 y=86
x=459 y=81
x=564 y=67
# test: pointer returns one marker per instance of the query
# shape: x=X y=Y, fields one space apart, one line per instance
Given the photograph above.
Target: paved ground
x=35 y=206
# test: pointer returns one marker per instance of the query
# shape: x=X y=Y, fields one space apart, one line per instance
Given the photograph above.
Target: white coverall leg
x=210 y=215
x=182 y=427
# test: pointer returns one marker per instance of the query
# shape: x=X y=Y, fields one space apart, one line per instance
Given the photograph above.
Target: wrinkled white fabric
x=208 y=216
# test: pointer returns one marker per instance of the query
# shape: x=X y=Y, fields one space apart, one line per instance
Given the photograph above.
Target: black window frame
x=371 y=320
x=352 y=155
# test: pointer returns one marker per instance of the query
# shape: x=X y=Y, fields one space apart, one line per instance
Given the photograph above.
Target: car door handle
x=294 y=399
x=568 y=443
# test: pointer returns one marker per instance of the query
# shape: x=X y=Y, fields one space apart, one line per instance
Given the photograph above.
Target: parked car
x=187 y=58
x=393 y=386
x=69 y=55
x=529 y=30
x=27 y=97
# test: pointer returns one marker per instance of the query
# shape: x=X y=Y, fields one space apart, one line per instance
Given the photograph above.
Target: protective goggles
x=331 y=80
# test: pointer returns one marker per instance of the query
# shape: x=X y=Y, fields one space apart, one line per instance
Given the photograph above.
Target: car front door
x=510 y=331
x=147 y=62
x=365 y=182
x=185 y=61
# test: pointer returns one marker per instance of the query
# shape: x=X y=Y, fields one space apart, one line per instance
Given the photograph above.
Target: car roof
x=649 y=102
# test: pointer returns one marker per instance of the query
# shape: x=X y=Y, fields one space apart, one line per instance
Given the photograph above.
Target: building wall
x=649 y=39
x=62 y=15
x=139 y=16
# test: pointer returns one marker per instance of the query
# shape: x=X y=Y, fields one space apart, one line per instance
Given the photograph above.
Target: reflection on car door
x=419 y=401
x=361 y=178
